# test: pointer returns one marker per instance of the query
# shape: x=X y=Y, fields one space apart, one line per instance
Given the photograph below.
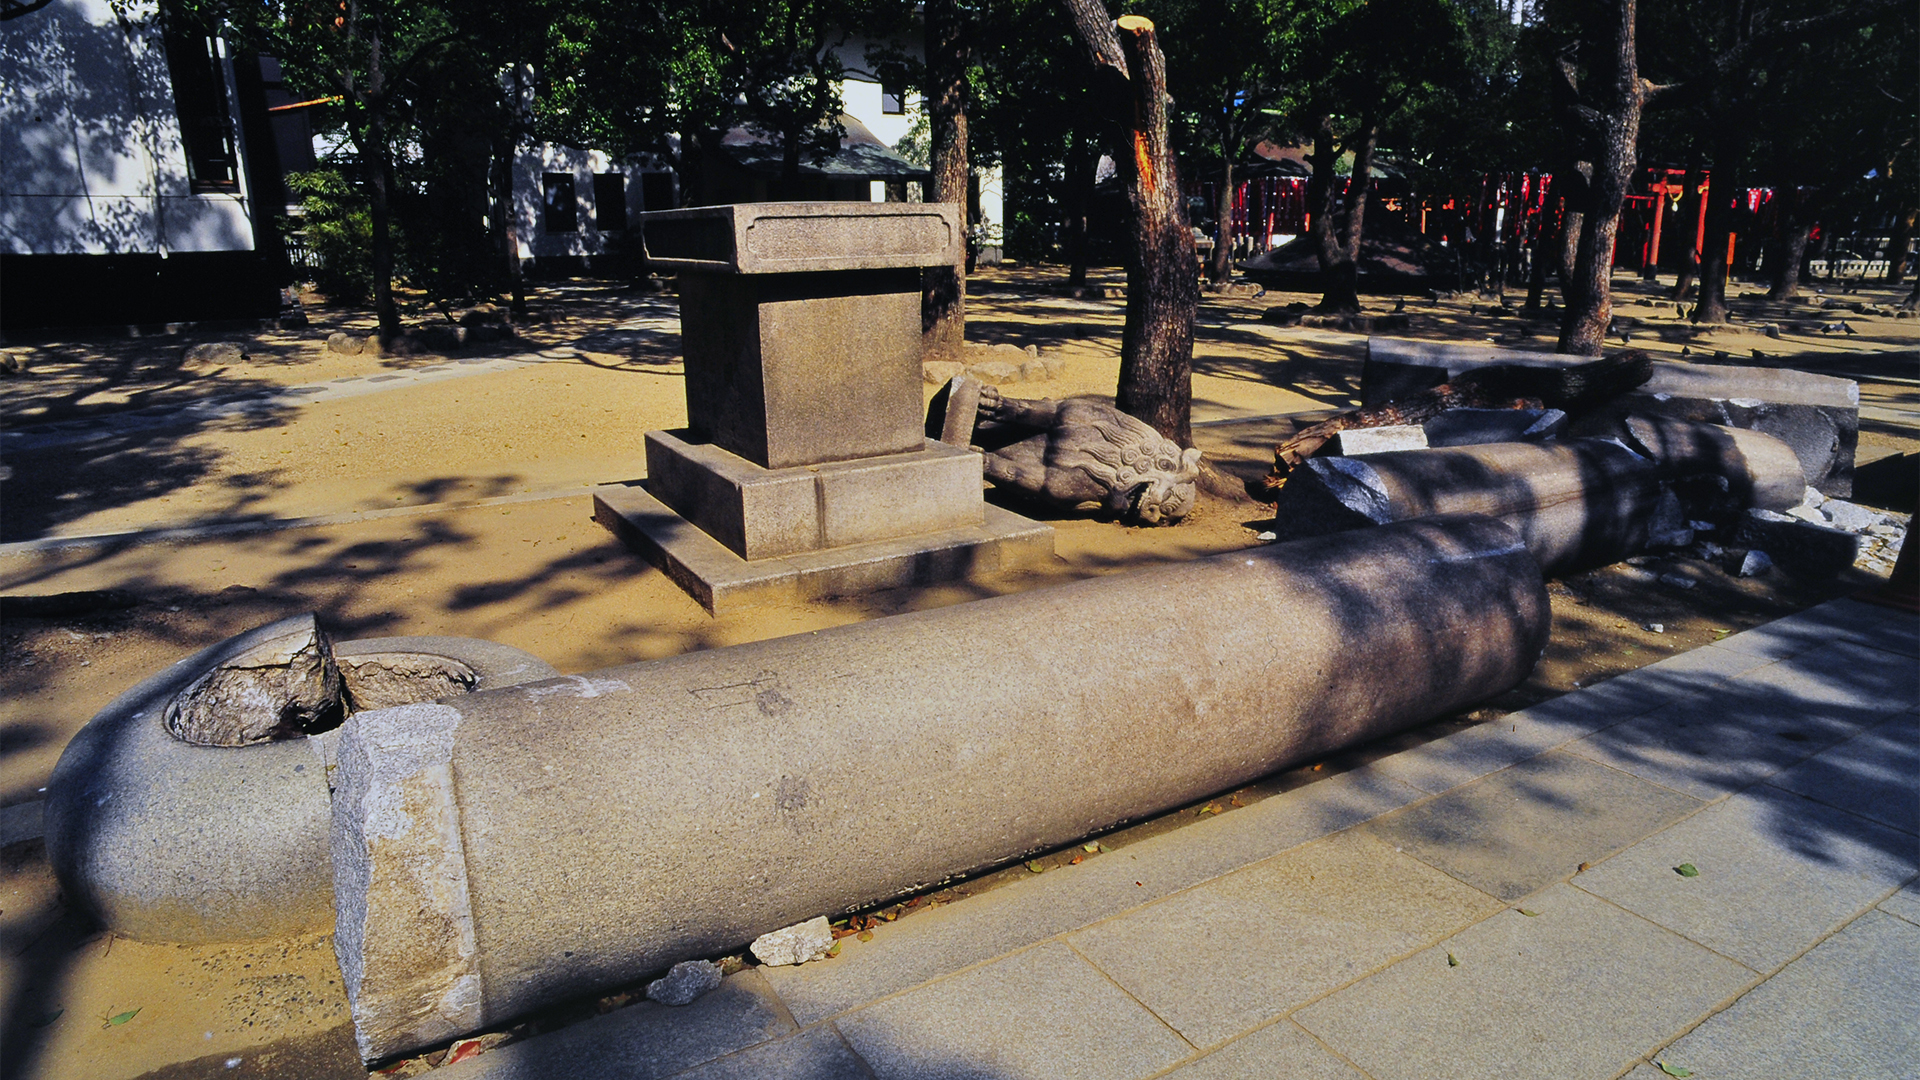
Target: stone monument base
x=723 y=581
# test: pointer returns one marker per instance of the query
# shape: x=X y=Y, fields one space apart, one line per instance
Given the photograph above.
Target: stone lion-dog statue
x=1082 y=453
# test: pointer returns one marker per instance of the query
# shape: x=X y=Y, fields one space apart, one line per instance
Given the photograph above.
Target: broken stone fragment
x=346 y=344
x=282 y=688
x=685 y=982
x=795 y=944
x=383 y=680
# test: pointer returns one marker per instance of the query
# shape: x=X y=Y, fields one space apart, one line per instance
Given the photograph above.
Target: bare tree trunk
x=1163 y=279
x=1544 y=237
x=1220 y=265
x=1795 y=225
x=1615 y=127
x=1083 y=167
x=1714 y=266
x=943 y=299
x=1572 y=220
x=1903 y=223
x=1340 y=278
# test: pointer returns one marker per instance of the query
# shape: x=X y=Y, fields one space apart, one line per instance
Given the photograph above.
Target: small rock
x=940 y=372
x=1033 y=371
x=1054 y=365
x=1634 y=573
x=1654 y=627
x=1267 y=537
x=1813 y=498
x=1850 y=516
x=796 y=944
x=217 y=352
x=995 y=372
x=1677 y=581
x=346 y=344
x=1808 y=514
x=1756 y=563
x=685 y=982
x=13 y=363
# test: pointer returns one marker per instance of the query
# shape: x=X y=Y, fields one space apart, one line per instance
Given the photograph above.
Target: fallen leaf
x=1210 y=808
x=1452 y=961
x=835 y=951
x=1090 y=847
x=463 y=1050
x=865 y=935
x=1236 y=801
x=116 y=1021
x=1076 y=860
x=1687 y=869
x=889 y=915
x=1528 y=914
x=1673 y=1070
x=915 y=902
x=1584 y=867
x=1140 y=883
x=1037 y=867
x=1318 y=767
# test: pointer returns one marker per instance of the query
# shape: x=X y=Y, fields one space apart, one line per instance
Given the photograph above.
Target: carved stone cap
x=792 y=237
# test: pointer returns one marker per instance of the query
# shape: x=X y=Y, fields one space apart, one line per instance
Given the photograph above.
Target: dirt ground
x=459 y=507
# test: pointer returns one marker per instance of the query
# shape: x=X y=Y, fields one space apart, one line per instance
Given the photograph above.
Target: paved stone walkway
x=1500 y=902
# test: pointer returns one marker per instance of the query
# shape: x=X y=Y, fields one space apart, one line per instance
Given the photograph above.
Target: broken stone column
x=164 y=840
x=1577 y=504
x=501 y=851
x=1817 y=415
x=803 y=471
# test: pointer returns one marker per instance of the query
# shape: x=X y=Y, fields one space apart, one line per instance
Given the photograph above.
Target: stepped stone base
x=723 y=581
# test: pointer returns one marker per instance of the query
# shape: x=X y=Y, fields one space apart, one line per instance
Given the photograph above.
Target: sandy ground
x=459 y=507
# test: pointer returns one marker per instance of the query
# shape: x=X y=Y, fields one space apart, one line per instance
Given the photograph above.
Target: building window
x=560 y=212
x=206 y=125
x=893 y=99
x=656 y=190
x=610 y=201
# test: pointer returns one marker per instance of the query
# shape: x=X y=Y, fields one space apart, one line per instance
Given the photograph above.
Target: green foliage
x=336 y=227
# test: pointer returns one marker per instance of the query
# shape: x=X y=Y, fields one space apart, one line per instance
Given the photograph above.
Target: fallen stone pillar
x=1576 y=504
x=164 y=840
x=505 y=850
x=1817 y=415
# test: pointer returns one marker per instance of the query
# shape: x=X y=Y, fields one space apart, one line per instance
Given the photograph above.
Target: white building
x=126 y=182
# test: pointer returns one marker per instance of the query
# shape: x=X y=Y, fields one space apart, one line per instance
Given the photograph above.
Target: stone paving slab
x=1580 y=990
x=1517 y=830
x=1777 y=872
x=1044 y=1014
x=1875 y=774
x=948 y=939
x=1882 y=628
x=1708 y=749
x=1282 y=1051
x=643 y=1041
x=1905 y=904
x=1242 y=949
x=1850 y=1008
x=818 y=1053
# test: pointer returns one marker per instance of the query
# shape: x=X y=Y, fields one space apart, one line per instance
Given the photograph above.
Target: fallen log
x=1496 y=386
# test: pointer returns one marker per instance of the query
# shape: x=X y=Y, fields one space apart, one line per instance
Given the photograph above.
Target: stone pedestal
x=804 y=470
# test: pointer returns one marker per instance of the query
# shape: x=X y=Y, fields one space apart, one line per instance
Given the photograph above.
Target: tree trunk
x=1795 y=225
x=1220 y=264
x=1615 y=125
x=943 y=298
x=1340 y=278
x=1163 y=279
x=1083 y=167
x=377 y=154
x=1903 y=223
x=1714 y=269
x=1545 y=237
x=1572 y=219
